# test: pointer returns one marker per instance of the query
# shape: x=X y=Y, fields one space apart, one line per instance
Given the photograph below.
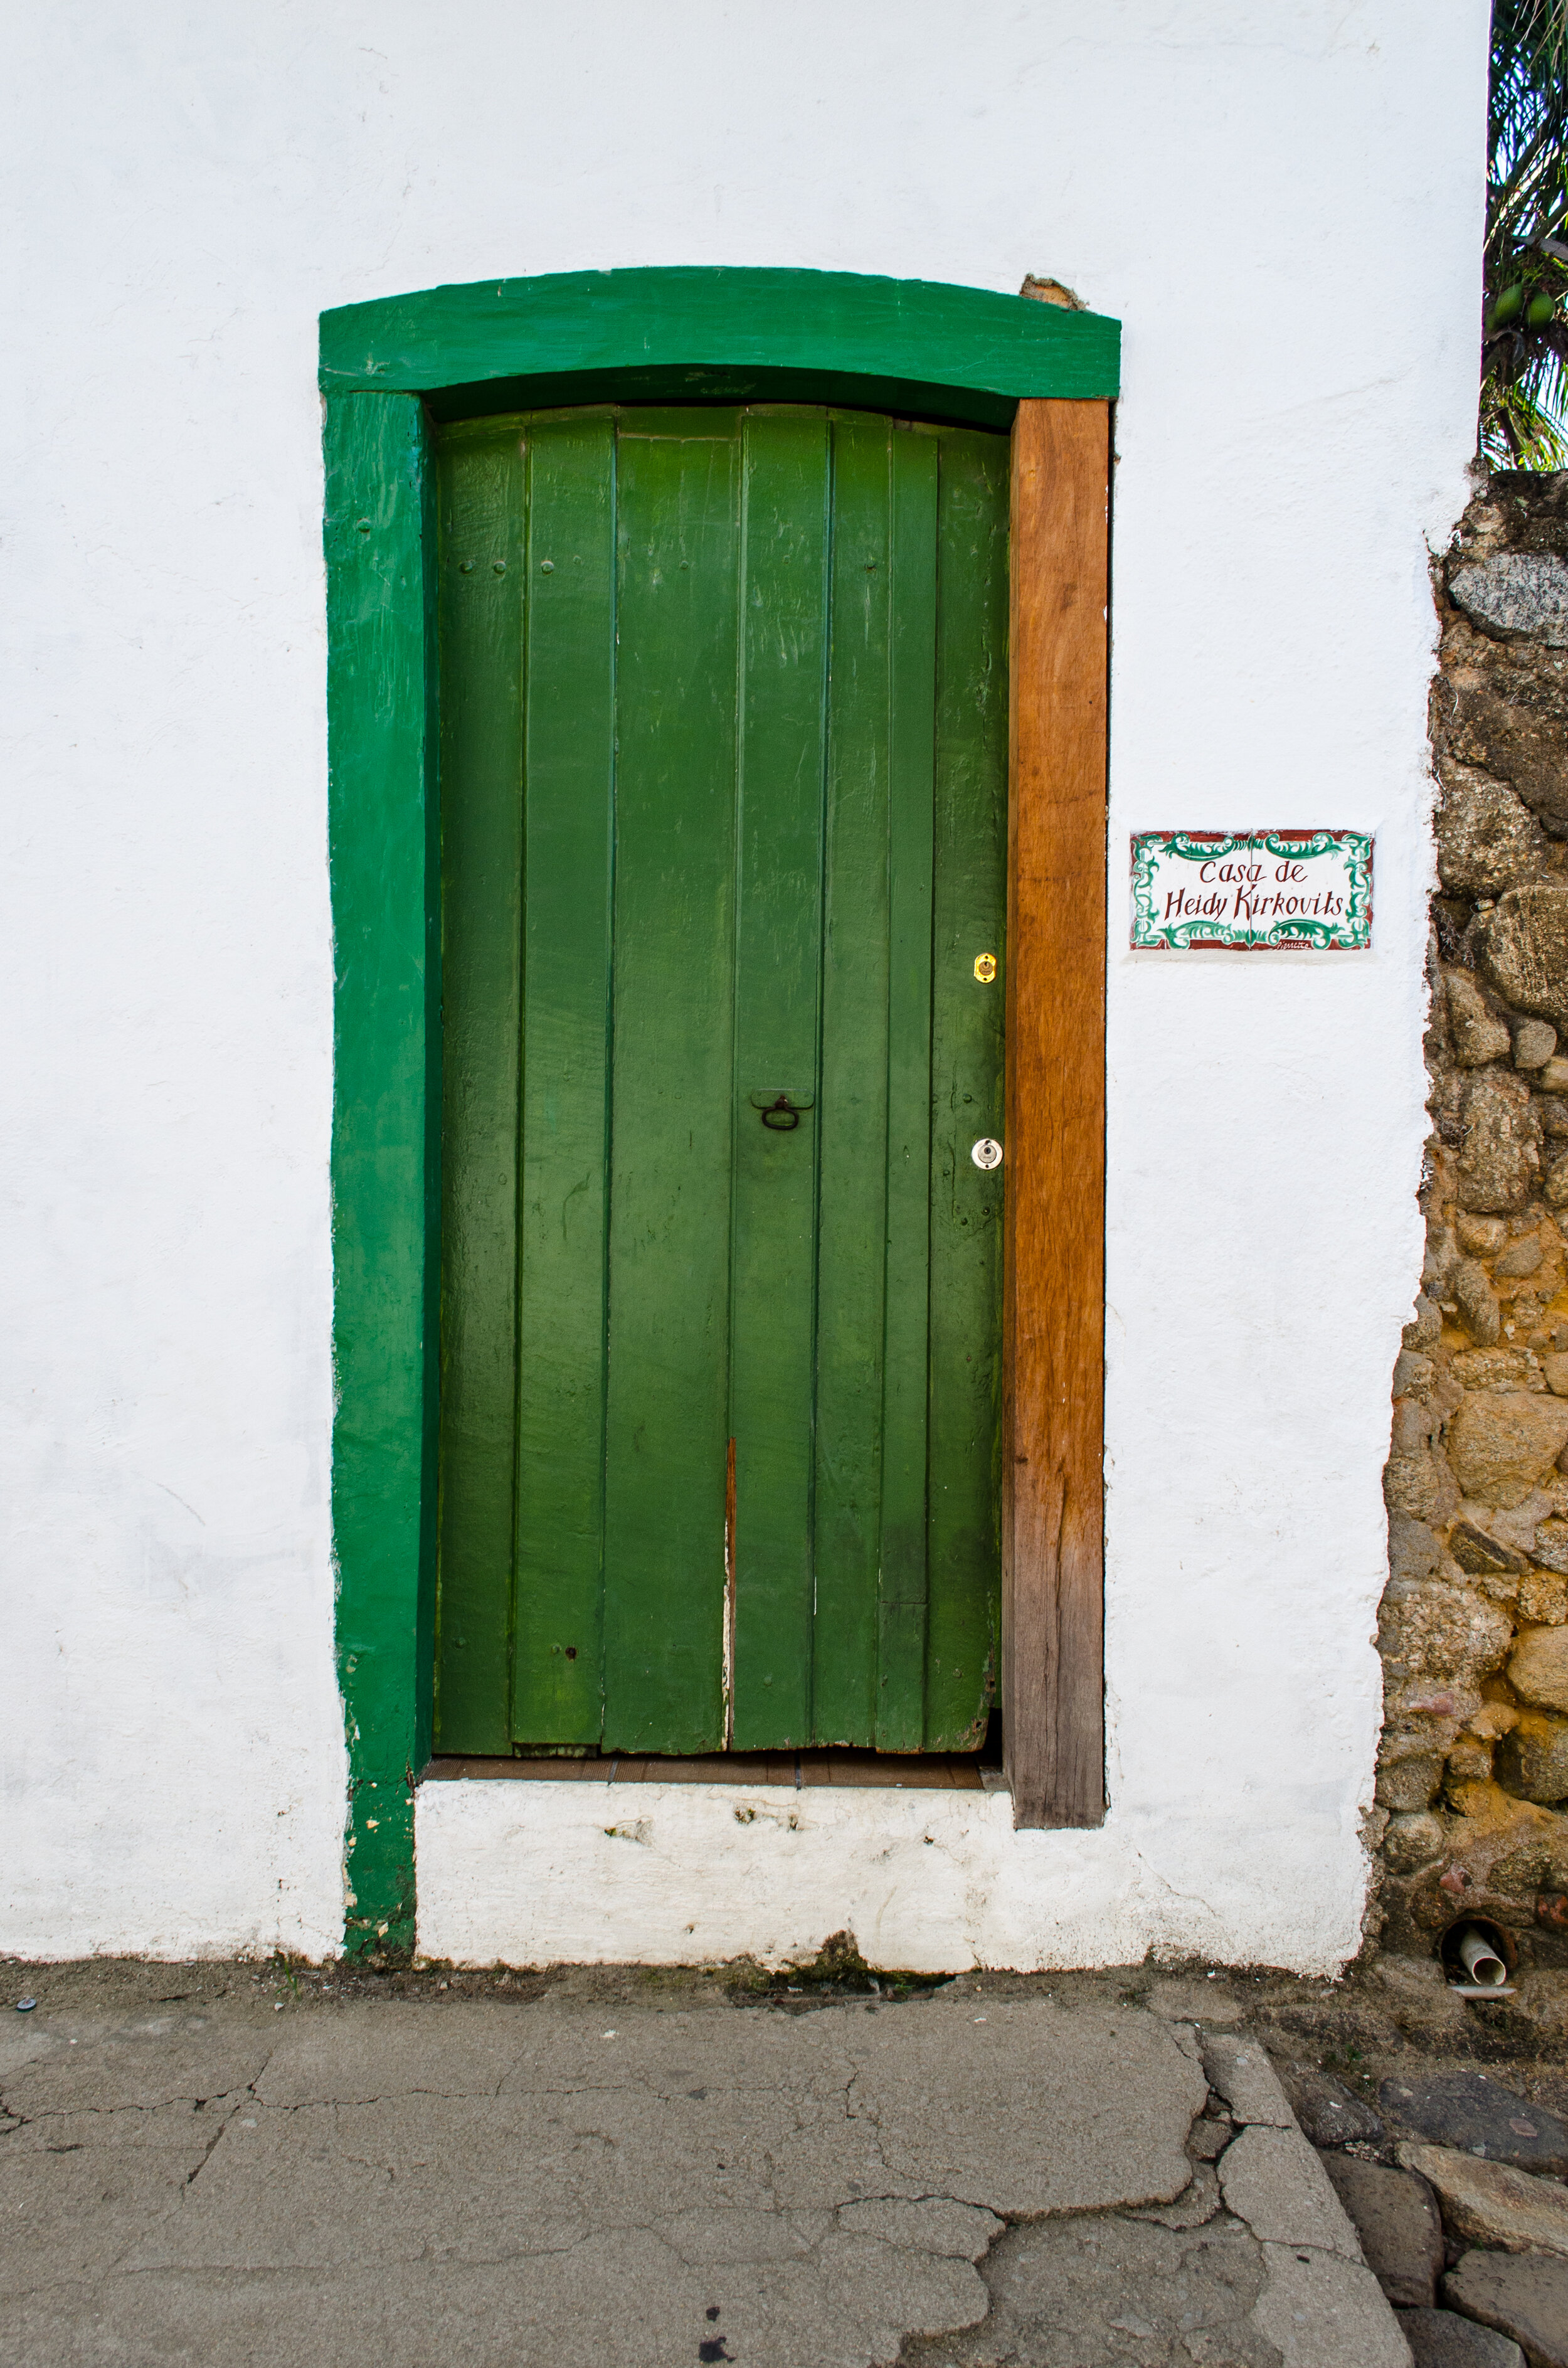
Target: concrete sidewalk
x=666 y=2181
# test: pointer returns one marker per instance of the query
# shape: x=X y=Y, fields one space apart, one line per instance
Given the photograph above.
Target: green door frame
x=388 y=370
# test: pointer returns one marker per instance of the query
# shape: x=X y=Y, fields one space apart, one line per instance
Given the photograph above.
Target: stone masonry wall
x=1473 y=1774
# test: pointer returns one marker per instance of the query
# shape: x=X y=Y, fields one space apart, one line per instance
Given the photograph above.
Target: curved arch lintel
x=721 y=334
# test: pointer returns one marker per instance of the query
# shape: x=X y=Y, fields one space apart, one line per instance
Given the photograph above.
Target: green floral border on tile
x=1352 y=933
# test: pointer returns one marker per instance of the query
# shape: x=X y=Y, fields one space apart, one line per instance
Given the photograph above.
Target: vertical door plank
x=852 y=1121
x=901 y=1654
x=569 y=772
x=678 y=495
x=967 y=1088
x=777 y=960
x=1053 y=1582
x=480 y=478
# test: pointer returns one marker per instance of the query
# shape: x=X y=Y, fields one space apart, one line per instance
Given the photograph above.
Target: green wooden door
x=723 y=798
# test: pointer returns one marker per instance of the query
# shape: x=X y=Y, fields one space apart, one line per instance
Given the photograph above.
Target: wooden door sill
x=788 y=1770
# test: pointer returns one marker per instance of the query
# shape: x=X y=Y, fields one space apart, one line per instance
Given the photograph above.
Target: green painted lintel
x=385 y=1145
x=719 y=331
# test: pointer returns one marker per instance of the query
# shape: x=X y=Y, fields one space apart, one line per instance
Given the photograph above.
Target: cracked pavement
x=959 y=2179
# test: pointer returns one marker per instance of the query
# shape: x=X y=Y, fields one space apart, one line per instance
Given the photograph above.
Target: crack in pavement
x=770 y=2200
x=225 y=2125
x=207 y=2154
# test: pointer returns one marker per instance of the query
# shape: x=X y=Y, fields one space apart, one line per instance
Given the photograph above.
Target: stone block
x=1538 y=1669
x=1501 y=1444
x=1510 y=720
x=1554 y=1188
x=1441 y=2338
x=1553 y=1077
x=1523 y=945
x=1520 y=1257
x=1480 y=1040
x=1480 y=1554
x=1552 y=1545
x=1394 y=2216
x=1480 y=1237
x=1534 y=1044
x=1532 y=1759
x=1471 y=2112
x=1542 y=1599
x=1516 y=592
x=1500 y=1852
x=1488 y=838
x=1477 y=1036
x=1413 y=1550
x=1492 y=1368
x=1420 y=1485
x=1440 y=1253
x=1442 y=1630
x=1518 y=1525
x=1423 y=1714
x=1410 y=1786
x=1412 y=1839
x=1491 y=2202
x=1470 y=1762
x=1476 y=1301
x=1425 y=1327
x=1413 y=1427
x=1328 y=2112
x=1500 y=1160
x=1524 y=2296
x=1540 y=1996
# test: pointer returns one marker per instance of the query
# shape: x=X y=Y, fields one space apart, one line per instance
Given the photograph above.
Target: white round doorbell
x=987 y=1152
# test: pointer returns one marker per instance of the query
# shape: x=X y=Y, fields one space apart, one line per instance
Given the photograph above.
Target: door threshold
x=791 y=1771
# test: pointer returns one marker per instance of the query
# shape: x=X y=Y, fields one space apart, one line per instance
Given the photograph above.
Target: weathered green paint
x=853 y=1100
x=567 y=599
x=481 y=512
x=385 y=1133
x=912 y=688
x=717 y=333
x=678 y=490
x=784 y=530
x=726 y=826
x=963 y=1632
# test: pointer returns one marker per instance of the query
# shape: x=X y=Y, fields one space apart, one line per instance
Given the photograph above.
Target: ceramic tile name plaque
x=1252 y=889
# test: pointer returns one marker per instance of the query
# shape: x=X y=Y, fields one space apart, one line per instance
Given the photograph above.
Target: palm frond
x=1523 y=426
x=1524 y=393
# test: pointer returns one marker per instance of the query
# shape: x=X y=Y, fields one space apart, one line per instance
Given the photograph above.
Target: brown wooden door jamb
x=1053 y=1517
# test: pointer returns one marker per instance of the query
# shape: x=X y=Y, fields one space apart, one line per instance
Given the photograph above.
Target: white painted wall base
x=527 y=1873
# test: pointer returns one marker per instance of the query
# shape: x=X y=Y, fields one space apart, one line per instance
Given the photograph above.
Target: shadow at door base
x=944 y=1771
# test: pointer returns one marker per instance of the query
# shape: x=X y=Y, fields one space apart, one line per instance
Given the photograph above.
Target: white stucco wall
x=1282 y=201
